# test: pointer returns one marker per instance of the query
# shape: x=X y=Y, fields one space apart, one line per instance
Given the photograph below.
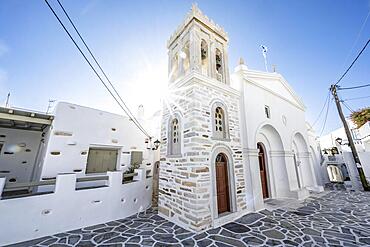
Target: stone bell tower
x=201 y=181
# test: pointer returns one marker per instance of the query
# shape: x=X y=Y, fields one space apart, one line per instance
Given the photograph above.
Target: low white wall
x=66 y=209
x=365 y=162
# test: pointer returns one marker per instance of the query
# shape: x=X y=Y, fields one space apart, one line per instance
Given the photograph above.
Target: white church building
x=228 y=142
x=227 y=145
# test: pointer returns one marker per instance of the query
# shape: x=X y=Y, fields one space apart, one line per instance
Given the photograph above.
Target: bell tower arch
x=198 y=45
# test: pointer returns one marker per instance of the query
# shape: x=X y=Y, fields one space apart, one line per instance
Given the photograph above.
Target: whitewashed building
x=227 y=145
x=74 y=168
x=338 y=165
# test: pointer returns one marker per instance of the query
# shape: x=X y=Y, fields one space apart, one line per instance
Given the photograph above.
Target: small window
x=267 y=111
x=174 y=67
x=220 y=130
x=136 y=158
x=185 y=56
x=219 y=65
x=204 y=57
x=174 y=141
x=101 y=160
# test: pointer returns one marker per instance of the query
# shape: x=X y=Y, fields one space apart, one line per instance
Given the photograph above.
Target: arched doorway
x=303 y=162
x=263 y=169
x=277 y=179
x=222 y=184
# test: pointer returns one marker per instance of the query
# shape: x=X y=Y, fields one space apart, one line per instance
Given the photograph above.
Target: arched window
x=185 y=56
x=204 y=57
x=219 y=65
x=219 y=120
x=174 y=67
x=174 y=138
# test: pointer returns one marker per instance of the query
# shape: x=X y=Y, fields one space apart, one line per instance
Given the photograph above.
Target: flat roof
x=16 y=118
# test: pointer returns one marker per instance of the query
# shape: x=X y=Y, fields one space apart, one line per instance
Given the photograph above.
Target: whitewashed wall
x=76 y=128
x=353 y=172
x=365 y=161
x=287 y=119
x=364 y=132
x=329 y=140
x=67 y=209
x=315 y=150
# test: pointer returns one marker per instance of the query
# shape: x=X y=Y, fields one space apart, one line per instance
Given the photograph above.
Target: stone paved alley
x=335 y=218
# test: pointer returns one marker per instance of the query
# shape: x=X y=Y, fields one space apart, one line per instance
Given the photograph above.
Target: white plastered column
x=254 y=196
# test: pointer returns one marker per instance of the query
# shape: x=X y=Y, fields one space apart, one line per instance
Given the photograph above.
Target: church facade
x=226 y=146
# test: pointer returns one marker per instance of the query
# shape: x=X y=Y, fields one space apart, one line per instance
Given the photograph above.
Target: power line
x=353 y=62
x=322 y=109
x=92 y=67
x=363 y=97
x=357 y=38
x=105 y=75
x=326 y=117
x=355 y=87
x=101 y=69
x=347 y=106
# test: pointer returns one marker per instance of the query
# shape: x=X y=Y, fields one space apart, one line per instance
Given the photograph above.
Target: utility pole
x=333 y=89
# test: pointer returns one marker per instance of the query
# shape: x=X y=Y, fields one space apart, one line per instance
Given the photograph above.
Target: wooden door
x=222 y=185
x=263 y=171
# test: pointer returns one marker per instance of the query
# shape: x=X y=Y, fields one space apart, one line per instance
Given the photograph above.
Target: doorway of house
x=263 y=170
x=222 y=184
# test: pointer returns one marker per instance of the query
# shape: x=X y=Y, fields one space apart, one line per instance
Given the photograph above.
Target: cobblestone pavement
x=334 y=219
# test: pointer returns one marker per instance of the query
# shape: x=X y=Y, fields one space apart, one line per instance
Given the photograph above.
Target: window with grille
x=175 y=131
x=220 y=131
x=175 y=138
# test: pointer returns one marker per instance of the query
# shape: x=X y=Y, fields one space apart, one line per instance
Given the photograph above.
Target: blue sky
x=309 y=41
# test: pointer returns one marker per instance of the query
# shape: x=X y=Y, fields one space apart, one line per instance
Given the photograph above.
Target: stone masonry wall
x=185 y=183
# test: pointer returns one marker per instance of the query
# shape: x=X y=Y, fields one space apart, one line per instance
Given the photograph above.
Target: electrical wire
x=100 y=67
x=322 y=109
x=326 y=116
x=347 y=106
x=96 y=73
x=363 y=97
x=353 y=62
x=355 y=87
x=357 y=37
x=94 y=70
